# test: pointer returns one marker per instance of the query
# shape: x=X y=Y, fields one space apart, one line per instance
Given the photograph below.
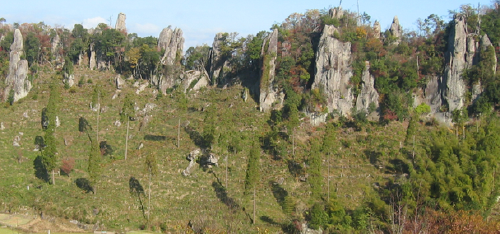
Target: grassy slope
x=175 y=199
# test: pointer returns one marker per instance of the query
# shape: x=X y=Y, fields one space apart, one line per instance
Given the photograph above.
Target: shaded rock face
x=368 y=93
x=333 y=71
x=460 y=55
x=194 y=80
x=216 y=62
x=268 y=95
x=336 y=13
x=120 y=22
x=432 y=94
x=172 y=42
x=17 y=80
x=396 y=30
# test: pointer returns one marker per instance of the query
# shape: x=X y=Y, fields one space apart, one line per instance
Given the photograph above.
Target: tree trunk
x=53 y=178
x=126 y=139
x=98 y=111
x=179 y=134
x=254 y=206
x=227 y=157
x=149 y=195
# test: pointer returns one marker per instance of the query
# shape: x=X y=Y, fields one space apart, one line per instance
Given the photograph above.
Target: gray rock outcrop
x=268 y=95
x=120 y=83
x=17 y=80
x=192 y=157
x=376 y=29
x=432 y=94
x=458 y=57
x=120 y=22
x=333 y=71
x=216 y=60
x=69 y=79
x=368 y=93
x=92 y=63
x=336 y=12
x=55 y=50
x=194 y=80
x=485 y=43
x=172 y=42
x=396 y=30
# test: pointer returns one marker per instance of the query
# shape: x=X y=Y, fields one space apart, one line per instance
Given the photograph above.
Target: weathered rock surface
x=485 y=43
x=396 y=30
x=120 y=83
x=17 y=79
x=172 y=42
x=368 y=93
x=336 y=12
x=376 y=29
x=2 y=127
x=216 y=61
x=268 y=94
x=69 y=79
x=92 y=63
x=194 y=80
x=432 y=94
x=458 y=57
x=58 y=57
x=333 y=71
x=120 y=22
x=192 y=157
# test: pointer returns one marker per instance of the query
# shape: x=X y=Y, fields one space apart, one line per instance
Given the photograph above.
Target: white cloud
x=145 y=29
x=93 y=22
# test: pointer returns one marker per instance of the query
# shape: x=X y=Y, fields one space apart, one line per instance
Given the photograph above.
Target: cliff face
x=120 y=22
x=216 y=62
x=268 y=95
x=17 y=80
x=460 y=55
x=368 y=93
x=333 y=71
x=172 y=42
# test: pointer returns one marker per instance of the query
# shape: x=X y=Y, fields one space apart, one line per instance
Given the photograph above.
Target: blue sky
x=200 y=20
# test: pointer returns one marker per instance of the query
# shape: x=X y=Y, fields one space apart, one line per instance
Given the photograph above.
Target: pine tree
x=151 y=169
x=94 y=168
x=49 y=153
x=253 y=174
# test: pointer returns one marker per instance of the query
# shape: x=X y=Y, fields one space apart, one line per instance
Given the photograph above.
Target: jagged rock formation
x=17 y=81
x=268 y=95
x=58 y=58
x=69 y=79
x=376 y=29
x=216 y=61
x=396 y=30
x=460 y=55
x=194 y=80
x=173 y=43
x=368 y=93
x=333 y=71
x=93 y=63
x=432 y=94
x=485 y=43
x=120 y=22
x=193 y=155
x=336 y=13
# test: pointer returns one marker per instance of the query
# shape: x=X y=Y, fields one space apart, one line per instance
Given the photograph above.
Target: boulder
x=69 y=79
x=2 y=127
x=268 y=94
x=212 y=160
x=120 y=22
x=17 y=80
x=16 y=141
x=120 y=83
x=368 y=92
x=192 y=157
x=333 y=71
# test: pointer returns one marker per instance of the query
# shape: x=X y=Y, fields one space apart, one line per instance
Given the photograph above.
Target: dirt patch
x=30 y=224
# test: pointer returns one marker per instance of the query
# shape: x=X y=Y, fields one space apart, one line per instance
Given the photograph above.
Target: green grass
x=175 y=199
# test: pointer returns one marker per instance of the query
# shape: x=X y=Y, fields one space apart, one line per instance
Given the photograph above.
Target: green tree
x=253 y=174
x=32 y=48
x=127 y=113
x=94 y=167
x=152 y=169
x=49 y=153
x=315 y=177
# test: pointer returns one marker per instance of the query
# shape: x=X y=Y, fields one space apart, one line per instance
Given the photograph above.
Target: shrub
x=67 y=165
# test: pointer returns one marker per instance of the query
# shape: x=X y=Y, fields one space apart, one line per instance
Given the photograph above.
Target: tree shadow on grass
x=84 y=184
x=278 y=192
x=221 y=193
x=136 y=189
x=40 y=171
x=195 y=136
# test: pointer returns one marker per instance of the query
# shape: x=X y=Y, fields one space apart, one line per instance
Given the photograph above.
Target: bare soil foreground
x=34 y=224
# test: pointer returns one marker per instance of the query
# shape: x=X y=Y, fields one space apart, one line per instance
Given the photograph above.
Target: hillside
x=353 y=130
